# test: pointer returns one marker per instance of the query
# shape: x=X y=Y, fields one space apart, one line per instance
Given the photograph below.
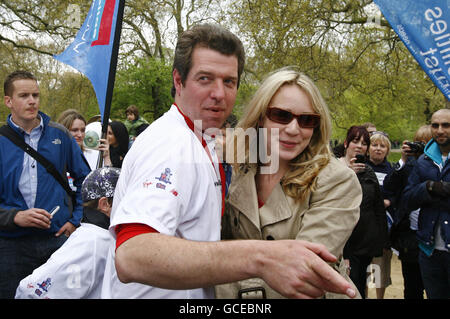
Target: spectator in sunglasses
x=309 y=196
x=428 y=189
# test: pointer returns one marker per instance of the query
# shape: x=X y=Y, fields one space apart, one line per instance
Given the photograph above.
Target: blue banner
x=424 y=27
x=90 y=52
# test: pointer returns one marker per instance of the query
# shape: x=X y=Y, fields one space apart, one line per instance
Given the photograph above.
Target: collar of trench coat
x=243 y=196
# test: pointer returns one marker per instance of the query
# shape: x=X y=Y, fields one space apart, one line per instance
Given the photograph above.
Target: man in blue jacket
x=429 y=189
x=28 y=233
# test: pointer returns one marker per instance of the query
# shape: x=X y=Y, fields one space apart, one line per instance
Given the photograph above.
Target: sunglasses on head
x=305 y=120
x=379 y=132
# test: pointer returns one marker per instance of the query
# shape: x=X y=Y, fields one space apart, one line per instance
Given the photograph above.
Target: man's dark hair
x=15 y=76
x=94 y=203
x=210 y=36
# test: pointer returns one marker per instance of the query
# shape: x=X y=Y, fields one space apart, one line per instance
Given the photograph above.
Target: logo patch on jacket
x=165 y=176
x=45 y=285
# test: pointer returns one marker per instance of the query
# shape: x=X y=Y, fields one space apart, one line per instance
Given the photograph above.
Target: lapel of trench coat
x=244 y=198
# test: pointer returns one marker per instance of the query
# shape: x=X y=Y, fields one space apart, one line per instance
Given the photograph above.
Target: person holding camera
x=428 y=189
x=403 y=231
x=370 y=233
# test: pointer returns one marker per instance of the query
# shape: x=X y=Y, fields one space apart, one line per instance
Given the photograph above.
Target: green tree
x=146 y=85
x=363 y=70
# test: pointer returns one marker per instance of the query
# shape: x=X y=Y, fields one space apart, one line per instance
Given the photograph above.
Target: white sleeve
x=68 y=274
x=157 y=186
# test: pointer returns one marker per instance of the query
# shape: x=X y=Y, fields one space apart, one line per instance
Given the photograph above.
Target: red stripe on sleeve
x=127 y=231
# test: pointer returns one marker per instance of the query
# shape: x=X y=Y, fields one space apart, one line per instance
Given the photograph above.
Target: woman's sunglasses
x=305 y=120
x=379 y=132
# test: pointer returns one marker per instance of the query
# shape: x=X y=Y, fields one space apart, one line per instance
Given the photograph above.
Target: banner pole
x=111 y=76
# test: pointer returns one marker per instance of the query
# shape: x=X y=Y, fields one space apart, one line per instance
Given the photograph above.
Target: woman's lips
x=288 y=144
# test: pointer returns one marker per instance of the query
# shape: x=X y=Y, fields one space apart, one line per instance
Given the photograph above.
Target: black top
x=93 y=216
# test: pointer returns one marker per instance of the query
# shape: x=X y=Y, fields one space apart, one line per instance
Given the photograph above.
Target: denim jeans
x=436 y=274
x=20 y=256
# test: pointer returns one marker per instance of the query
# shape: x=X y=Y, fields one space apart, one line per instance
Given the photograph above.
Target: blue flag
x=424 y=27
x=91 y=51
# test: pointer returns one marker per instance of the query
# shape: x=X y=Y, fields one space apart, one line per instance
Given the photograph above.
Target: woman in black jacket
x=118 y=140
x=370 y=233
x=379 y=149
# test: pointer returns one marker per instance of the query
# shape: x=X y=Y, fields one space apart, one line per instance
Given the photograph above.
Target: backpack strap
x=9 y=133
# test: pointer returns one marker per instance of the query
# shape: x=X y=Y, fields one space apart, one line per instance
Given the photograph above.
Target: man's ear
x=103 y=205
x=177 y=81
x=7 y=100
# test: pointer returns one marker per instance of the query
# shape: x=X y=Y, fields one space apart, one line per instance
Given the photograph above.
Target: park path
x=394 y=291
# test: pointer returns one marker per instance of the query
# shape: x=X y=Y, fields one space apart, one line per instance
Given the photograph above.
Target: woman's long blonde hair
x=301 y=178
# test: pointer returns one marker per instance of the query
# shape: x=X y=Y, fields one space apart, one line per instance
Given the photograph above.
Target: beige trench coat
x=327 y=217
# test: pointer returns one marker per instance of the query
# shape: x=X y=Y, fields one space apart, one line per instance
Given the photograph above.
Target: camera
x=360 y=158
x=416 y=147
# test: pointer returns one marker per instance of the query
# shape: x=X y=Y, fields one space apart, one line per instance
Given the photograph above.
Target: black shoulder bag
x=9 y=133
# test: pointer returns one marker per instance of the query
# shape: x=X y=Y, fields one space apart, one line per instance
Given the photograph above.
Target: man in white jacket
x=171 y=192
x=76 y=269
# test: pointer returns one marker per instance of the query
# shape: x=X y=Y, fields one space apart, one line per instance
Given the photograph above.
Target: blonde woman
x=298 y=190
x=379 y=149
x=76 y=124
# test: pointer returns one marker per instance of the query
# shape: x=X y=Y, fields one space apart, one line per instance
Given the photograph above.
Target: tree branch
x=24 y=46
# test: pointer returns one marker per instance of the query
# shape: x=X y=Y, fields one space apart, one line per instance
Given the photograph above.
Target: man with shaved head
x=429 y=190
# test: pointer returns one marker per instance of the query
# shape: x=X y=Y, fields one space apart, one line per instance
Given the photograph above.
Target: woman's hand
x=103 y=146
x=356 y=167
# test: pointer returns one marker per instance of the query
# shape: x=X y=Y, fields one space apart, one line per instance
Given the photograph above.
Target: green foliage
x=245 y=93
x=69 y=90
x=364 y=71
x=394 y=157
x=147 y=84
